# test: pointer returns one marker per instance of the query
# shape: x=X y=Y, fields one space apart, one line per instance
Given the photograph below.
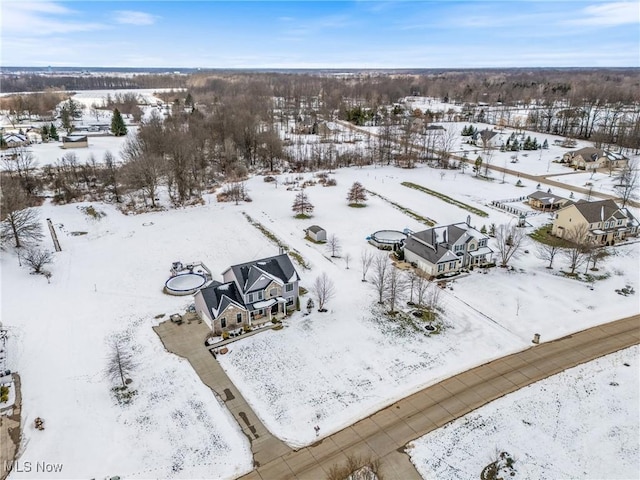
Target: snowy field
x=109 y=282
x=581 y=423
x=365 y=363
x=327 y=369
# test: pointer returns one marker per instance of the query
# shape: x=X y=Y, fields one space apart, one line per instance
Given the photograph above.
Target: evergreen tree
x=53 y=132
x=357 y=194
x=545 y=145
x=66 y=119
x=188 y=101
x=44 y=131
x=483 y=230
x=118 y=128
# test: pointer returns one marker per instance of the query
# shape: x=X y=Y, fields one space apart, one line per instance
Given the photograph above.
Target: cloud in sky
x=323 y=34
x=608 y=14
x=132 y=17
x=43 y=18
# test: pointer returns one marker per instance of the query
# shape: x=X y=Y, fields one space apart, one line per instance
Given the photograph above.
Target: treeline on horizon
x=377 y=87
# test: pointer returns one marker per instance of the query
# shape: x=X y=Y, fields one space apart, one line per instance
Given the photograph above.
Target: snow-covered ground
x=327 y=369
x=109 y=282
x=334 y=368
x=581 y=423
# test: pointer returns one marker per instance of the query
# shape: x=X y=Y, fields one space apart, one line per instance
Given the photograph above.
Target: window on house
x=239 y=318
x=619 y=222
x=288 y=287
x=250 y=298
x=482 y=242
x=452 y=265
x=260 y=295
x=273 y=292
x=289 y=301
x=223 y=322
x=441 y=267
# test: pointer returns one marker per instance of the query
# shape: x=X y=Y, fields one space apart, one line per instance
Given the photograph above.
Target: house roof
x=589 y=154
x=432 y=254
x=487 y=135
x=218 y=296
x=547 y=198
x=74 y=138
x=599 y=211
x=14 y=138
x=278 y=267
x=315 y=229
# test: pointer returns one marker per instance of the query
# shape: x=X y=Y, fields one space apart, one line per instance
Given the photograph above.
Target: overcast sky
x=328 y=34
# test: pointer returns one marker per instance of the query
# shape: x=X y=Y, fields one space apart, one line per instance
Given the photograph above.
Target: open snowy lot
x=581 y=423
x=108 y=282
x=331 y=369
x=325 y=369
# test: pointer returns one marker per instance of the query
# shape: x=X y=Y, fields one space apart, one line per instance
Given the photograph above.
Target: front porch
x=266 y=310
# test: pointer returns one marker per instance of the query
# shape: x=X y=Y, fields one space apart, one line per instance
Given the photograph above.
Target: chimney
x=468 y=220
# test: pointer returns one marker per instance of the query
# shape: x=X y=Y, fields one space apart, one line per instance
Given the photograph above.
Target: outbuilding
x=316 y=233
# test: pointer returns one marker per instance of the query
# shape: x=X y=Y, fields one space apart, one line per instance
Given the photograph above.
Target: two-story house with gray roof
x=251 y=293
x=444 y=250
x=606 y=223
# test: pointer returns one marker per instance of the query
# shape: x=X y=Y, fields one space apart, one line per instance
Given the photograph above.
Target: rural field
x=213 y=180
x=570 y=425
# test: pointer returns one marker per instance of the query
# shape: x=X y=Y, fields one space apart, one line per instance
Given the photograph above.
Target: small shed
x=75 y=141
x=316 y=233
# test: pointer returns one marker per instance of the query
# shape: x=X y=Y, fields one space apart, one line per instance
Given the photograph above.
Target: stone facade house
x=251 y=293
x=444 y=250
x=606 y=223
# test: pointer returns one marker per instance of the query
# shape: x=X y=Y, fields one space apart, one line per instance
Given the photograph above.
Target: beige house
x=252 y=293
x=590 y=158
x=607 y=223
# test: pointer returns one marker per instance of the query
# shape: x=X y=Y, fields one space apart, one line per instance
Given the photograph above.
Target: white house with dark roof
x=444 y=250
x=251 y=293
x=316 y=233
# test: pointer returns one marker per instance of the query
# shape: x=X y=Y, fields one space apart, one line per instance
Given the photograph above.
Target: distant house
x=590 y=158
x=13 y=140
x=487 y=139
x=444 y=250
x=546 y=201
x=316 y=233
x=606 y=223
x=75 y=141
x=251 y=293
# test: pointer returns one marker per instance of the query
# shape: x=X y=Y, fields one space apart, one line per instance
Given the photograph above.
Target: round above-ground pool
x=386 y=239
x=184 y=284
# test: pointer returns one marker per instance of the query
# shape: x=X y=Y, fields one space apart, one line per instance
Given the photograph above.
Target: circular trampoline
x=184 y=284
x=387 y=239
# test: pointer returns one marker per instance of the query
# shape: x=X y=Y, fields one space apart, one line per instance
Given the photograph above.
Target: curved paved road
x=384 y=435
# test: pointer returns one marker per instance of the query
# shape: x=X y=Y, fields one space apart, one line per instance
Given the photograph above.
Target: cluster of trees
x=37 y=82
x=468 y=131
x=32 y=105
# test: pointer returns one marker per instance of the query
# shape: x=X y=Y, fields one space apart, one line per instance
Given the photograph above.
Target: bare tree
x=357 y=194
x=36 y=259
x=120 y=363
x=20 y=224
x=380 y=275
x=421 y=287
x=301 y=204
x=324 y=290
x=334 y=246
x=548 y=252
x=433 y=296
x=509 y=239
x=395 y=284
x=347 y=259
x=578 y=251
x=627 y=182
x=366 y=257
